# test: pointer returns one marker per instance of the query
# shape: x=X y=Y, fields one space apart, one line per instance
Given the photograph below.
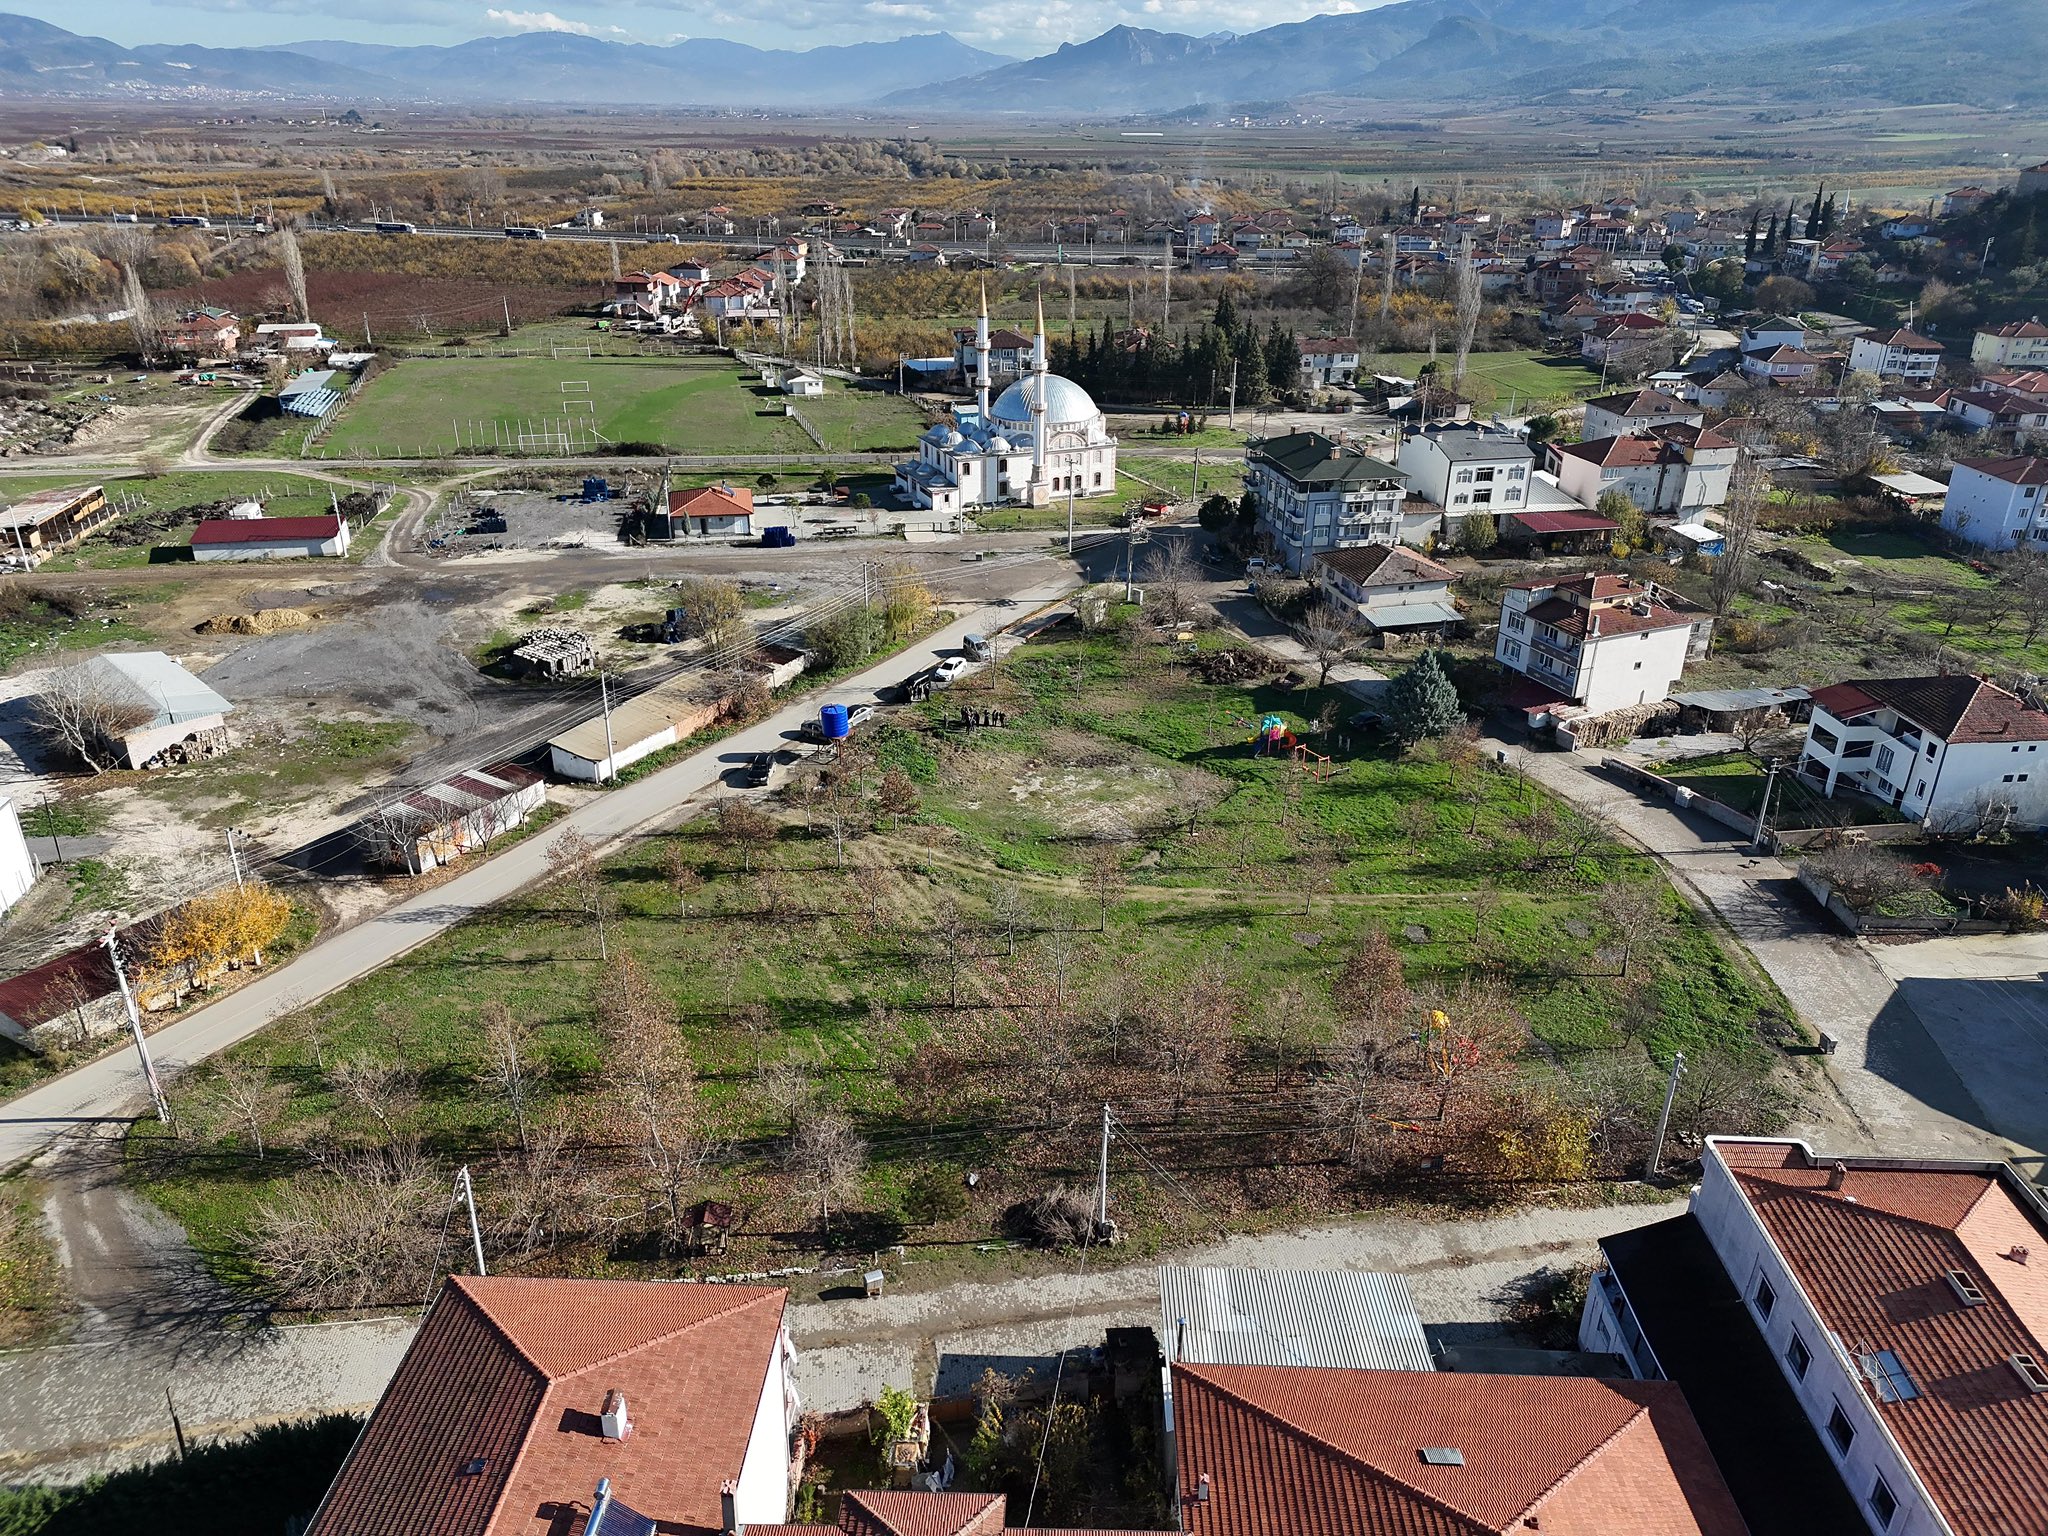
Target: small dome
x=936 y=433
x=999 y=445
x=952 y=440
x=1067 y=404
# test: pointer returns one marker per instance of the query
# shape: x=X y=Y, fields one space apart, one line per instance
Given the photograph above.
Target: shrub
x=1865 y=877
x=1421 y=702
x=934 y=1196
x=1057 y=1218
x=2022 y=910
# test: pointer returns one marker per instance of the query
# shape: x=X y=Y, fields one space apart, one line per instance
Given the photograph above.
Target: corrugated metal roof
x=1734 y=700
x=156 y=682
x=1343 y=1319
x=1394 y=615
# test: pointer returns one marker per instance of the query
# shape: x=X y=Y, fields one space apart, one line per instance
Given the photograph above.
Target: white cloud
x=545 y=21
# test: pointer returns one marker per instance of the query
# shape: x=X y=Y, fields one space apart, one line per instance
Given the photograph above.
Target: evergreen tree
x=1813 y=217
x=1749 y=240
x=1225 y=318
x=1785 y=231
x=1421 y=702
x=1415 y=205
x=1771 y=236
x=1827 y=218
x=1283 y=360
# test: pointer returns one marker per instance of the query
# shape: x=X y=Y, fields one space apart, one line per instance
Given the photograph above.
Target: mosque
x=1042 y=440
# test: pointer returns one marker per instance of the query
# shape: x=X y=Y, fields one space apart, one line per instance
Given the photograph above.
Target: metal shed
x=1341 y=1319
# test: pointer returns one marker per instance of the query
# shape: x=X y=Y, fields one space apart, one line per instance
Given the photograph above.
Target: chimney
x=2018 y=1254
x=613 y=1420
x=728 y=1509
x=1202 y=1489
x=1838 y=1173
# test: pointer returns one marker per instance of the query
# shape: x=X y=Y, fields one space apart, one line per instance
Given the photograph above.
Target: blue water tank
x=833 y=718
x=595 y=488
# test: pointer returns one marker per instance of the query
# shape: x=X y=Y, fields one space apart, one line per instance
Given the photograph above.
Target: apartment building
x=1604 y=642
x=1314 y=495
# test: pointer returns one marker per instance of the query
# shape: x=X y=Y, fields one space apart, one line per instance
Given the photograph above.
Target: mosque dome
x=1067 y=404
x=998 y=444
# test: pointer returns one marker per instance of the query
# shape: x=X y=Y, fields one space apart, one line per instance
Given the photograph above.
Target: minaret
x=1038 y=399
x=981 y=359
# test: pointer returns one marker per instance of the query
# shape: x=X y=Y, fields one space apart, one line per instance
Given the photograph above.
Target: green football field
x=1515 y=376
x=688 y=404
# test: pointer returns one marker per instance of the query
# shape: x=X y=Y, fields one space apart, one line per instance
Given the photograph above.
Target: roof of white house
x=1349 y=1319
x=155 y=680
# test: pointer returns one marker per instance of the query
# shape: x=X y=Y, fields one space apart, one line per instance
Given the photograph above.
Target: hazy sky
x=1035 y=27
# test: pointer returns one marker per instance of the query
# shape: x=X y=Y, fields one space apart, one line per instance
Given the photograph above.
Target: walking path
x=107 y=1089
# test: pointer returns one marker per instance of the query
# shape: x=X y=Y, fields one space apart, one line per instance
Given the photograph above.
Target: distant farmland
x=398 y=307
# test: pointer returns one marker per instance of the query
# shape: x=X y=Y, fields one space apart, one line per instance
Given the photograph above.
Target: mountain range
x=1415 y=53
x=38 y=59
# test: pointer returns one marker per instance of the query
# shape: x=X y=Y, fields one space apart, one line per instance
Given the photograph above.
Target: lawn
x=45 y=618
x=691 y=403
x=1117 y=841
x=1737 y=780
x=1521 y=379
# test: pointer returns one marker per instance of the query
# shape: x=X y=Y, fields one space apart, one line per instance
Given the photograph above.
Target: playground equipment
x=1314 y=764
x=1272 y=738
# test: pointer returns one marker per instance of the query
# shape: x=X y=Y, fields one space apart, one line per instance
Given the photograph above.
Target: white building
x=802 y=383
x=271 y=538
x=2016 y=344
x=1604 y=642
x=1997 y=503
x=1773 y=331
x=1466 y=468
x=1314 y=495
x=1328 y=360
x=1862 y=1336
x=1779 y=365
x=177 y=718
x=1637 y=411
x=1041 y=440
x=1669 y=469
x=1949 y=752
x=18 y=867
x=1897 y=354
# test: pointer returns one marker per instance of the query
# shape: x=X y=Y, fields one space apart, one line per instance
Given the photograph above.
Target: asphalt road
x=109 y=1088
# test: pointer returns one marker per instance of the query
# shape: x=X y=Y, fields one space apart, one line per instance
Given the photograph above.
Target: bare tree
x=1352 y=1095
x=1332 y=636
x=1465 y=307
x=294 y=266
x=352 y=1234
x=744 y=829
x=651 y=1084
x=682 y=874
x=1286 y=1026
x=826 y=1157
x=508 y=1066
x=250 y=1094
x=1749 y=491
x=86 y=711
x=575 y=872
x=789 y=1088
x=141 y=315
x=1107 y=878
x=1007 y=910
x=547 y=1196
x=1170 y=575
x=2025 y=573
x=1634 y=915
x=392 y=831
x=379 y=1091
x=1192 y=1021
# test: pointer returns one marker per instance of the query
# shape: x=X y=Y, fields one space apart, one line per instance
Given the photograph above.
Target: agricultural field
x=690 y=403
x=938 y=955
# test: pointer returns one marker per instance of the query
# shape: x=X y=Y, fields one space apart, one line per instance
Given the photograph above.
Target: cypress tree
x=1749 y=240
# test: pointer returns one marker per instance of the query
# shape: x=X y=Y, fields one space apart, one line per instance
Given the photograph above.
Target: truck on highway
x=189 y=221
x=525 y=232
x=395 y=227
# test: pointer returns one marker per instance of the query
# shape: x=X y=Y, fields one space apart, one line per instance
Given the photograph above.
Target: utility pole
x=1664 y=1119
x=610 y=750
x=467 y=1192
x=1102 y=1180
x=366 y=330
x=1233 y=394
x=1763 y=811
x=50 y=821
x=156 y=1087
x=235 y=858
x=1197 y=492
x=506 y=301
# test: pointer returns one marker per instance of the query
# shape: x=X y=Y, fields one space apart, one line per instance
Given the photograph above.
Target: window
x=1884 y=759
x=1765 y=1297
x=1930 y=749
x=1920 y=788
x=1888 y=1377
x=1464 y=477
x=1460 y=499
x=1517 y=622
x=1825 y=739
x=1883 y=1505
x=1798 y=1357
x=1841 y=1431
x=1513 y=650
x=2006 y=780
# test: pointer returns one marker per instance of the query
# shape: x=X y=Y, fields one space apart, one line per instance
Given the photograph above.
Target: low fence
x=1643 y=781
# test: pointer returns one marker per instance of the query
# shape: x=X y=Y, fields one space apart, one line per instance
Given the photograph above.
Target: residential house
x=1391 y=592
x=1314 y=1452
x=1009 y=353
x=1328 y=360
x=712 y=512
x=1603 y=642
x=925 y=255
x=2016 y=344
x=801 y=383
x=1790 y=367
x=1773 y=331
x=43 y=522
x=742 y=296
x=1949 y=752
x=288 y=336
x=1963 y=200
x=649 y=292
x=1675 y=469
x=1909 y=228
x=1466 y=468
x=1574 y=317
x=1716 y=392
x=271 y=538
x=1315 y=495
x=2033 y=181
x=785 y=264
x=159 y=712
x=444 y=821
x=18 y=866
x=1638 y=410
x=1620 y=338
x=1860 y=1338
x=1560 y=279
x=1628 y=298
x=1897 y=355
x=1202 y=229
x=1994 y=410
x=597 y=748
x=204 y=333
x=2030 y=382
x=894 y=223
x=587 y=218
x=605 y=1405
x=1998 y=503
x=1548 y=228
x=1217 y=257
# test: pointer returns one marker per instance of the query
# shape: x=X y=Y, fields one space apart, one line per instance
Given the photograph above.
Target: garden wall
x=1862 y=923
x=1645 y=782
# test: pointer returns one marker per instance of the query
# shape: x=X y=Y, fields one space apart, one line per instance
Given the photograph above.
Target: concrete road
x=1899 y=1088
x=107 y=1089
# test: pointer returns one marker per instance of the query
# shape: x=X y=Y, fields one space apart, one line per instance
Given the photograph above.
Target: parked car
x=857 y=715
x=944 y=673
x=976 y=648
x=1258 y=567
x=1366 y=720
x=760 y=769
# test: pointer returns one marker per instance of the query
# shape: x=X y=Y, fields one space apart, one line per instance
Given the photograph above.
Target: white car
x=944 y=673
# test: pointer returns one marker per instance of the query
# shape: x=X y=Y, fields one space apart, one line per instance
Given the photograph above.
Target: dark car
x=1366 y=720
x=760 y=768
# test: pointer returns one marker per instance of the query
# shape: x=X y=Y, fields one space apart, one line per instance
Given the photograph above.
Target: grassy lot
x=329 y=755
x=1226 y=475
x=691 y=403
x=43 y=618
x=1531 y=377
x=32 y=1302
x=879 y=979
x=151 y=503
x=1737 y=780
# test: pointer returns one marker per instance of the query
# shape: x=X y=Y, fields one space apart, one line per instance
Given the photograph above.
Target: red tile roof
x=711 y=501
x=1958 y=708
x=75 y=978
x=1339 y=1453
x=889 y=1513
x=2015 y=471
x=508 y=1376
x=266 y=530
x=1377 y=565
x=1629 y=451
x=1872 y=1258
x=1905 y=340
x=2020 y=330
